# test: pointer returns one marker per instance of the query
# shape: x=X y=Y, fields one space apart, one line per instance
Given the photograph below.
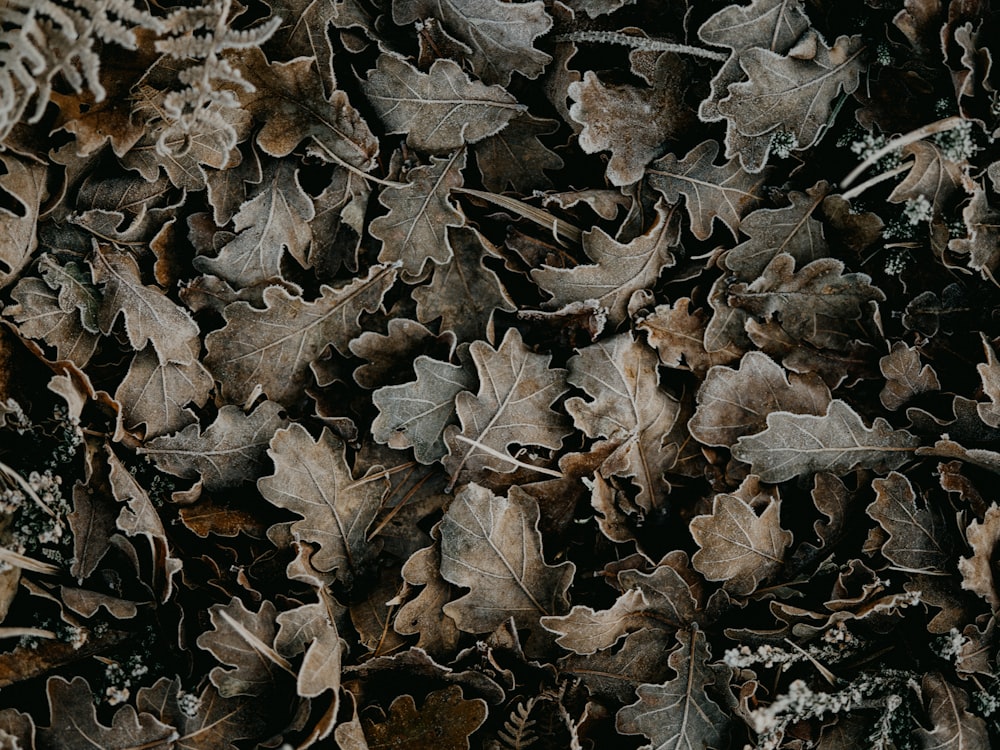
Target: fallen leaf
x=678 y=334
x=22 y=187
x=954 y=727
x=905 y=378
x=445 y=721
x=918 y=536
x=517 y=157
x=977 y=571
x=242 y=639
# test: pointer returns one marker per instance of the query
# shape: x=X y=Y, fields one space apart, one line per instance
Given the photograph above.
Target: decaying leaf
x=977 y=571
x=904 y=376
x=23 y=187
x=445 y=721
x=837 y=442
x=918 y=536
x=678 y=334
x=953 y=727
x=242 y=639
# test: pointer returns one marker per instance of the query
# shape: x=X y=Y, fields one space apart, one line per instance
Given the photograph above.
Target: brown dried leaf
x=274 y=346
x=629 y=408
x=515 y=156
x=415 y=415
x=932 y=176
x=989 y=373
x=734 y=403
x=619 y=269
x=312 y=630
x=837 y=442
x=444 y=722
x=954 y=728
x=416 y=228
x=230 y=451
x=157 y=393
x=516 y=390
x=713 y=192
x=241 y=639
x=313 y=480
x=904 y=376
x=614 y=675
x=585 y=631
x=39 y=314
x=492 y=546
x=388 y=353
x=982 y=222
x=22 y=185
x=440 y=110
x=918 y=537
x=678 y=334
x=422 y=615
x=498 y=36
x=977 y=571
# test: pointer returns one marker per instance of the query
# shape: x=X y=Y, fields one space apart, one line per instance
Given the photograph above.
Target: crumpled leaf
x=679 y=713
x=678 y=334
x=629 y=407
x=516 y=390
x=954 y=727
x=815 y=303
x=498 y=36
x=23 y=183
x=615 y=674
x=515 y=156
x=492 y=546
x=416 y=228
x=312 y=479
x=792 y=95
x=989 y=373
x=445 y=721
x=274 y=220
x=918 y=536
x=982 y=222
x=289 y=100
x=932 y=176
x=739 y=544
x=586 y=631
x=442 y=110
x=230 y=451
x=619 y=269
x=837 y=442
x=725 y=193
x=464 y=293
x=977 y=571
x=734 y=403
x=634 y=123
x=74 y=724
x=905 y=378
x=415 y=415
x=273 y=347
x=242 y=639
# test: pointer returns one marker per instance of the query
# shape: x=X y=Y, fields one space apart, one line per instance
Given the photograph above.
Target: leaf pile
x=499 y=373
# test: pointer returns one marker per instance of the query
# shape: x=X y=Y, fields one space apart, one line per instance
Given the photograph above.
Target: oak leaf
x=492 y=546
x=615 y=674
x=440 y=110
x=977 y=571
x=738 y=544
x=918 y=537
x=932 y=177
x=445 y=721
x=989 y=374
x=416 y=228
x=157 y=394
x=515 y=156
x=586 y=631
x=499 y=36
x=712 y=192
x=242 y=639
x=274 y=346
x=734 y=403
x=312 y=478
x=905 y=378
x=982 y=221
x=837 y=442
x=678 y=334
x=403 y=342
x=422 y=615
x=954 y=727
x=230 y=450
x=516 y=391
x=309 y=629
x=22 y=186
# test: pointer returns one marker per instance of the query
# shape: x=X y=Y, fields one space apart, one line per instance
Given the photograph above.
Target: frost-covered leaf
x=445 y=721
x=312 y=478
x=440 y=110
x=499 y=36
x=492 y=546
x=516 y=391
x=157 y=394
x=918 y=536
x=273 y=347
x=74 y=725
x=230 y=450
x=904 y=376
x=734 y=403
x=982 y=222
x=614 y=674
x=404 y=341
x=416 y=228
x=629 y=408
x=738 y=544
x=953 y=726
x=816 y=303
x=22 y=186
x=242 y=639
x=678 y=334
x=634 y=123
x=416 y=414
x=619 y=269
x=515 y=156
x=310 y=629
x=977 y=571
x=679 y=714
x=275 y=220
x=422 y=615
x=989 y=373
x=837 y=442
x=712 y=192
x=932 y=176
x=585 y=631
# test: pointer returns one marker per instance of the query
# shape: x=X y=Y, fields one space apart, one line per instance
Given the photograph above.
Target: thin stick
x=510 y=459
x=27 y=488
x=354 y=170
x=913 y=136
x=641 y=43
x=24 y=562
x=31 y=632
x=537 y=215
x=859 y=189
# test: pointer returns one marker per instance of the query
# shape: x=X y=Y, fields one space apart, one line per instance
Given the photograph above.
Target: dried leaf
x=977 y=571
x=156 y=393
x=404 y=341
x=629 y=408
x=679 y=713
x=22 y=187
x=918 y=537
x=499 y=37
x=516 y=390
x=416 y=228
x=273 y=347
x=954 y=728
x=423 y=615
x=515 y=156
x=837 y=442
x=734 y=403
x=983 y=225
x=678 y=334
x=445 y=722
x=491 y=545
x=932 y=177
x=241 y=639
x=989 y=373
x=310 y=629
x=230 y=451
x=439 y=111
x=712 y=192
x=614 y=675
x=904 y=376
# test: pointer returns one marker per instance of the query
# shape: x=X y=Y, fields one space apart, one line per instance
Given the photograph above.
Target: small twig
x=29 y=632
x=904 y=140
x=827 y=674
x=859 y=189
x=257 y=644
x=640 y=43
x=354 y=170
x=537 y=215
x=508 y=459
x=379 y=475
x=27 y=488
x=24 y=562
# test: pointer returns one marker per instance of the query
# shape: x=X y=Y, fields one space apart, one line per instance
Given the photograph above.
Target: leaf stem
x=354 y=170
x=913 y=136
x=640 y=43
x=859 y=189
x=507 y=458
